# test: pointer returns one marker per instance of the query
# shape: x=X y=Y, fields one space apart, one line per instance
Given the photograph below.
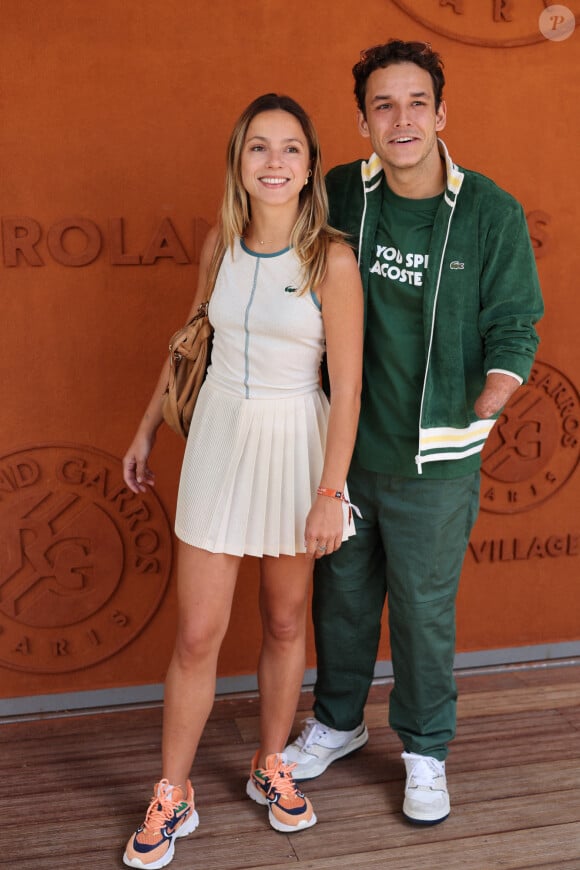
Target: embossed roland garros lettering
x=79 y=472
x=57 y=647
x=18 y=475
x=506 y=23
x=79 y=241
x=534 y=448
x=565 y=403
x=128 y=506
x=76 y=540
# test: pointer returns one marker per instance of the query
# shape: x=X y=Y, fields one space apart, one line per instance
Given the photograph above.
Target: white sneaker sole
x=418 y=816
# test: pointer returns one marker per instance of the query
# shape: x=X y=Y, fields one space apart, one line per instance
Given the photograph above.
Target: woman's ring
x=321 y=549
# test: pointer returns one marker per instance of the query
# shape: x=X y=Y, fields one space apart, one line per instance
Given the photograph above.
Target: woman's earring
x=307 y=177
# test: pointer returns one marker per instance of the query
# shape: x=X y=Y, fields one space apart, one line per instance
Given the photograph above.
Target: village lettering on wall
x=521 y=548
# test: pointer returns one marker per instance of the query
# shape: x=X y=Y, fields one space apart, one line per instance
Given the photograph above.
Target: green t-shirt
x=395 y=343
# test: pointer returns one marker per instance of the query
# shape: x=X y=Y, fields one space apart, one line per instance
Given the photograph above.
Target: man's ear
x=441 y=116
x=363 y=127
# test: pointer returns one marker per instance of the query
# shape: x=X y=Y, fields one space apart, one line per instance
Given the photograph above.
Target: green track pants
x=409 y=549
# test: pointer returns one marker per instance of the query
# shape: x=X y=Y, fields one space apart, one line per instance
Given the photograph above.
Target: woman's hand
x=324 y=527
x=136 y=472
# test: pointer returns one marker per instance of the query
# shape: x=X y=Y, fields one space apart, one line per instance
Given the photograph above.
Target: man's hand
x=498 y=390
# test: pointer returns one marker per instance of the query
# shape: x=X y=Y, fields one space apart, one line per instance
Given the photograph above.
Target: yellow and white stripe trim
x=445 y=442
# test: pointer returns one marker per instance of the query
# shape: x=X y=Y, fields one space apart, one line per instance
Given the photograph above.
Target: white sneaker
x=426 y=796
x=318 y=746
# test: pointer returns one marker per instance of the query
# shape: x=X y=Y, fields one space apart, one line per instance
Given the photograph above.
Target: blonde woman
x=266 y=459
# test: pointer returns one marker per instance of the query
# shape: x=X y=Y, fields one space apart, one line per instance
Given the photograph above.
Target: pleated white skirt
x=250 y=473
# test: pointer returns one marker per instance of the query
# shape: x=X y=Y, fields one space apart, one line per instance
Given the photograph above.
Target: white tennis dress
x=255 y=450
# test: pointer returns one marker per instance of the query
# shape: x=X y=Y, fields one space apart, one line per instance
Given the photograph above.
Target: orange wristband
x=336 y=493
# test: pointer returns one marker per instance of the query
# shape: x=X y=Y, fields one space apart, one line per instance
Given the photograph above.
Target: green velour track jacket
x=481 y=300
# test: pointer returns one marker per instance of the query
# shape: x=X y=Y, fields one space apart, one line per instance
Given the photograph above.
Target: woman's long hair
x=311 y=235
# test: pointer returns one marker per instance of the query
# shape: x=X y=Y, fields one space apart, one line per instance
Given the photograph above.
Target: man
x=452 y=296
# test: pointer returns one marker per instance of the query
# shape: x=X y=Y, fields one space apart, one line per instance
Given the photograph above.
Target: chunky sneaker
x=171 y=814
x=318 y=746
x=426 y=796
x=288 y=809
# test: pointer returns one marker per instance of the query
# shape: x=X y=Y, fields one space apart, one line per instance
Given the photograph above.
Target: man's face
x=401 y=120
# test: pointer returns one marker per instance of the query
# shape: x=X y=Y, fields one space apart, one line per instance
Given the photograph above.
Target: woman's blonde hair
x=311 y=235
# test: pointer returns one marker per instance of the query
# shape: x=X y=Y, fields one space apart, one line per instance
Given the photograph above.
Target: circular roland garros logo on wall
x=495 y=23
x=84 y=562
x=534 y=447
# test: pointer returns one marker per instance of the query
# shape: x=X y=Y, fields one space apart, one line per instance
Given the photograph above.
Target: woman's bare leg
x=205 y=588
x=284 y=589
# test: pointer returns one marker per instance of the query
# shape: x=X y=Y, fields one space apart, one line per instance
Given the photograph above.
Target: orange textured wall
x=114 y=123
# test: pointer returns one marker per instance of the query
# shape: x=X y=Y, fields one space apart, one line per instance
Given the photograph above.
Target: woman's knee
x=285 y=627
x=197 y=640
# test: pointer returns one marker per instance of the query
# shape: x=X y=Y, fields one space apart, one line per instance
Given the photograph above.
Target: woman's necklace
x=275 y=246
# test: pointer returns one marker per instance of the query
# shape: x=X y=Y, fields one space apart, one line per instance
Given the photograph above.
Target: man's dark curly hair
x=397 y=51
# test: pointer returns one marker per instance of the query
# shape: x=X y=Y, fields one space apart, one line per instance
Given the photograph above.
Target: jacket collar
x=372 y=168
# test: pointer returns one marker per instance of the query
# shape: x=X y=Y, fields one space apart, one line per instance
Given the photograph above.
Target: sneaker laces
x=160 y=809
x=426 y=770
x=310 y=733
x=280 y=777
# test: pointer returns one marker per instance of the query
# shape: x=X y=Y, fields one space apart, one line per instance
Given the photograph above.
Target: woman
x=264 y=453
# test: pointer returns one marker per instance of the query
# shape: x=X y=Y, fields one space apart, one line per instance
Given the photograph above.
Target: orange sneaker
x=288 y=809
x=171 y=814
